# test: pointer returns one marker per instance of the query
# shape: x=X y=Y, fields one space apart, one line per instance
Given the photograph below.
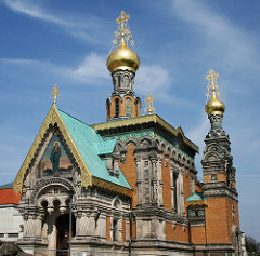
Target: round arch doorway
x=62 y=226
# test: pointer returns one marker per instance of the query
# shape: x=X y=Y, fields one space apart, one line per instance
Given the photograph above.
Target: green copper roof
x=106 y=147
x=197 y=196
x=90 y=145
x=6 y=186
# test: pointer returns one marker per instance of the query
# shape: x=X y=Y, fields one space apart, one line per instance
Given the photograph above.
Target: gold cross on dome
x=213 y=83
x=55 y=93
x=123 y=33
x=212 y=75
x=149 y=108
x=122 y=19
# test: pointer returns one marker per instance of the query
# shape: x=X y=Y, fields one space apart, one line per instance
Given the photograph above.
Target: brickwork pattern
x=177 y=233
x=198 y=235
x=219 y=220
x=166 y=188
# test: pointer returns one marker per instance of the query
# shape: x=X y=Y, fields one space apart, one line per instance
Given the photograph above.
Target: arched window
x=116 y=108
x=125 y=81
x=128 y=107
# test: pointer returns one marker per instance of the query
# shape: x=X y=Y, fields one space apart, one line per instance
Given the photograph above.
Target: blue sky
x=178 y=41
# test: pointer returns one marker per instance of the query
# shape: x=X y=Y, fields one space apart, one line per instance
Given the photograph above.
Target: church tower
x=122 y=64
x=219 y=175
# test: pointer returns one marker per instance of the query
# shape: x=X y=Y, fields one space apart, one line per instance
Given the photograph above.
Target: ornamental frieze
x=124 y=138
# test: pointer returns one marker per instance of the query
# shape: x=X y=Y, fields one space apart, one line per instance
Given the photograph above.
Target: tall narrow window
x=115 y=230
x=128 y=107
x=136 y=107
x=175 y=195
x=116 y=108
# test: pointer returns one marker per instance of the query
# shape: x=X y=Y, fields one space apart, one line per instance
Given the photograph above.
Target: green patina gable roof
x=91 y=145
x=106 y=147
x=197 y=196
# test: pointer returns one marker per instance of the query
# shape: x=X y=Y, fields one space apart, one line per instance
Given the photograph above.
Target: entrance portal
x=62 y=225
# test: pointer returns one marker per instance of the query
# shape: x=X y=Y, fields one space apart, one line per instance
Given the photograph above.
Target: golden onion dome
x=123 y=58
x=215 y=106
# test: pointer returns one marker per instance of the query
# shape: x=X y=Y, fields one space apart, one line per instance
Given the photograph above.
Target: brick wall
x=219 y=220
x=178 y=233
x=198 y=235
x=166 y=188
x=129 y=170
x=186 y=184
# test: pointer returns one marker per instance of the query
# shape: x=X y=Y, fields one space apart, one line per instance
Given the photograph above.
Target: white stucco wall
x=10 y=223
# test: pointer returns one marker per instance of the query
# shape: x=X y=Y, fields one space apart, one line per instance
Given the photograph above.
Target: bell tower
x=219 y=175
x=122 y=64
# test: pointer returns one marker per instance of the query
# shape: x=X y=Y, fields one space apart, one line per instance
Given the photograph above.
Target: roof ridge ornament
x=55 y=93
x=149 y=107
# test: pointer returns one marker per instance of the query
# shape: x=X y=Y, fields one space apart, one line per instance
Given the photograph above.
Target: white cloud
x=227 y=44
x=83 y=28
x=92 y=67
x=156 y=80
x=151 y=79
x=90 y=70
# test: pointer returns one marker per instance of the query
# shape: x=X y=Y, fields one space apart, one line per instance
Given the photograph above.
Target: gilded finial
x=213 y=83
x=123 y=32
x=214 y=104
x=149 y=107
x=55 y=93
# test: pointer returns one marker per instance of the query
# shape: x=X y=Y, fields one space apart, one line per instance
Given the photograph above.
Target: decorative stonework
x=53 y=118
x=124 y=138
x=47 y=182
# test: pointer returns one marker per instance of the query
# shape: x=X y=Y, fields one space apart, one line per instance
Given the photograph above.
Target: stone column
x=111 y=228
x=127 y=223
x=38 y=226
x=180 y=194
x=119 y=230
x=154 y=182
x=159 y=181
x=52 y=234
x=154 y=228
x=102 y=226
x=85 y=224
x=29 y=226
x=138 y=181
x=172 y=185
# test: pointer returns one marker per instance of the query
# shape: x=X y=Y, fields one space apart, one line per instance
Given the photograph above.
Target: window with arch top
x=128 y=107
x=116 y=107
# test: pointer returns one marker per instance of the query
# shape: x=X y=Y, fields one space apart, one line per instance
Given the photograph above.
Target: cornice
x=154 y=118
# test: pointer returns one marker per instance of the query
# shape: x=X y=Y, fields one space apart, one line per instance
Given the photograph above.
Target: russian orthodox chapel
x=128 y=184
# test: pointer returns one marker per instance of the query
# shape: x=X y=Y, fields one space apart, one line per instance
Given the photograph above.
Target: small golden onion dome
x=215 y=106
x=123 y=58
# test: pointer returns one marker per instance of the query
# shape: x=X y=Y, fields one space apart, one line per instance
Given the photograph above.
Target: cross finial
x=123 y=33
x=149 y=108
x=213 y=83
x=122 y=19
x=55 y=93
